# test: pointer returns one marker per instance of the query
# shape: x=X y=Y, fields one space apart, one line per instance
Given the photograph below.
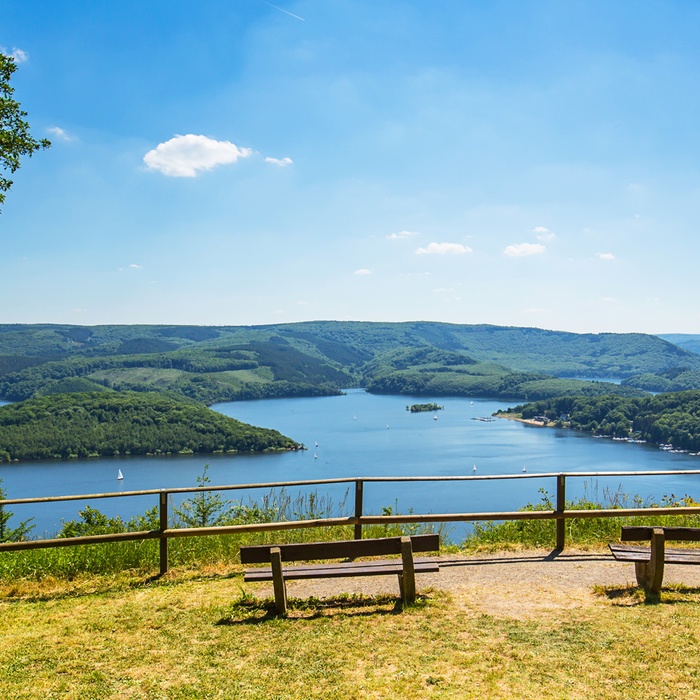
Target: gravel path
x=511 y=584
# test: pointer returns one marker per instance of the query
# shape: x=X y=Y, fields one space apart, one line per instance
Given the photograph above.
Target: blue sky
x=514 y=162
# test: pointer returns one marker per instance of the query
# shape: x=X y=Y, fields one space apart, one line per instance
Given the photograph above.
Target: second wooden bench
x=649 y=561
x=405 y=568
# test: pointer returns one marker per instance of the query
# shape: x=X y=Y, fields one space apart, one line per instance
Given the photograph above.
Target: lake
x=361 y=434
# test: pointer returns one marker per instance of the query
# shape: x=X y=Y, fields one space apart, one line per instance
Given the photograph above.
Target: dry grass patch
x=186 y=636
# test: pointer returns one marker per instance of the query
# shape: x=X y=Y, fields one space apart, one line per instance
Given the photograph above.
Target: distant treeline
x=222 y=363
x=672 y=418
x=106 y=424
x=440 y=373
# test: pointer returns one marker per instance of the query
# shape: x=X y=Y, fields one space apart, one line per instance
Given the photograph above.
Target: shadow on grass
x=477 y=559
x=629 y=596
x=251 y=611
x=38 y=591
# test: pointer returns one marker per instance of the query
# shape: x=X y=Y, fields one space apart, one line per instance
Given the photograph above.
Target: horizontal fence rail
x=560 y=513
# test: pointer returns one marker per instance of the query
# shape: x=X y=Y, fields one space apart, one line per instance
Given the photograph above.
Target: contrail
x=286 y=12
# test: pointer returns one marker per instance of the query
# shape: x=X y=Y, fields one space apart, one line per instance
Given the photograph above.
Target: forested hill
x=109 y=424
x=687 y=341
x=671 y=419
x=212 y=364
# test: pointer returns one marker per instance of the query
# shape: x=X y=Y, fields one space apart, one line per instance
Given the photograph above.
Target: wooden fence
x=560 y=513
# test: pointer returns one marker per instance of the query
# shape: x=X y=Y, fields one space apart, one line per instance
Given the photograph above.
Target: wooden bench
x=406 y=567
x=649 y=561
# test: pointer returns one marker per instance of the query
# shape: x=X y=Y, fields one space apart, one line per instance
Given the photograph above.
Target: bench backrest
x=343 y=549
x=639 y=533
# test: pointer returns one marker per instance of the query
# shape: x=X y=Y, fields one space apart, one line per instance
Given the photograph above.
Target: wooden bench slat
x=671 y=556
x=637 y=533
x=345 y=549
x=380 y=568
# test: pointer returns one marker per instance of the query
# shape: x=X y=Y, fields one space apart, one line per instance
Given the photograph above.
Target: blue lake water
x=361 y=434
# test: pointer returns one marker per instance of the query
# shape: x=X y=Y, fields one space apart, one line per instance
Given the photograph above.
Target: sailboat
x=120 y=476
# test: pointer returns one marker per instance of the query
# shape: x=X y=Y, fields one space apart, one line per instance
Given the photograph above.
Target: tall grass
x=202 y=510
x=579 y=531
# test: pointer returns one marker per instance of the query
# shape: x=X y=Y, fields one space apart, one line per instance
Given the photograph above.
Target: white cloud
x=522 y=249
x=187 y=156
x=535 y=310
x=60 y=133
x=444 y=249
x=136 y=266
x=282 y=162
x=402 y=234
x=543 y=234
x=605 y=256
x=363 y=271
x=19 y=55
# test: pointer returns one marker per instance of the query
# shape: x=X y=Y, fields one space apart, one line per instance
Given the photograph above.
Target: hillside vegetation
x=211 y=364
x=665 y=419
x=110 y=423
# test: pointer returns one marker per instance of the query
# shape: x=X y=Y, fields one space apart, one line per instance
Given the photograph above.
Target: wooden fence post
x=561 y=507
x=163 y=510
x=358 y=507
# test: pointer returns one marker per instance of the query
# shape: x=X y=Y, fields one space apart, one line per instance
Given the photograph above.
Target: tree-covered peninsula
x=665 y=419
x=106 y=424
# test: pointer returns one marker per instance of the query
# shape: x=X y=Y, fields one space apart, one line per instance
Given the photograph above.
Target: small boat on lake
x=120 y=476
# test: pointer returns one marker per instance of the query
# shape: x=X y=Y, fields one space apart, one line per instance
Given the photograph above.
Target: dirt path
x=509 y=584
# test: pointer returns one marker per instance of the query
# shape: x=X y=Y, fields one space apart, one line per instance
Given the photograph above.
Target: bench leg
x=650 y=574
x=278 y=581
x=407 y=580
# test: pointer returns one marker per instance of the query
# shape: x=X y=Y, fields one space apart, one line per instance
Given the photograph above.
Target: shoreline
x=527 y=421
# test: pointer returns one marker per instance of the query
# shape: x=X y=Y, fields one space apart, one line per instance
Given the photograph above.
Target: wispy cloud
x=19 y=55
x=520 y=250
x=362 y=272
x=59 y=133
x=605 y=256
x=543 y=234
x=136 y=266
x=189 y=155
x=444 y=249
x=401 y=235
x=281 y=162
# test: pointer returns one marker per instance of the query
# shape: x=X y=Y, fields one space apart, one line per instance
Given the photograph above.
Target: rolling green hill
x=687 y=341
x=210 y=364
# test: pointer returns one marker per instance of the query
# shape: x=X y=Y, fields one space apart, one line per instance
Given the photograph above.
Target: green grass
x=205 y=637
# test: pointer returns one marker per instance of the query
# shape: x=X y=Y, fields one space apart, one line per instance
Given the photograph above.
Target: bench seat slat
x=376 y=568
x=636 y=533
x=344 y=549
x=671 y=556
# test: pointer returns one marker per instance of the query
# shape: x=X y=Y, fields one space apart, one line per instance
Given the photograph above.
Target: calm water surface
x=360 y=434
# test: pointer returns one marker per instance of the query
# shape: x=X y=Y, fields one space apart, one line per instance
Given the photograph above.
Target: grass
x=84 y=623
x=204 y=636
x=580 y=532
